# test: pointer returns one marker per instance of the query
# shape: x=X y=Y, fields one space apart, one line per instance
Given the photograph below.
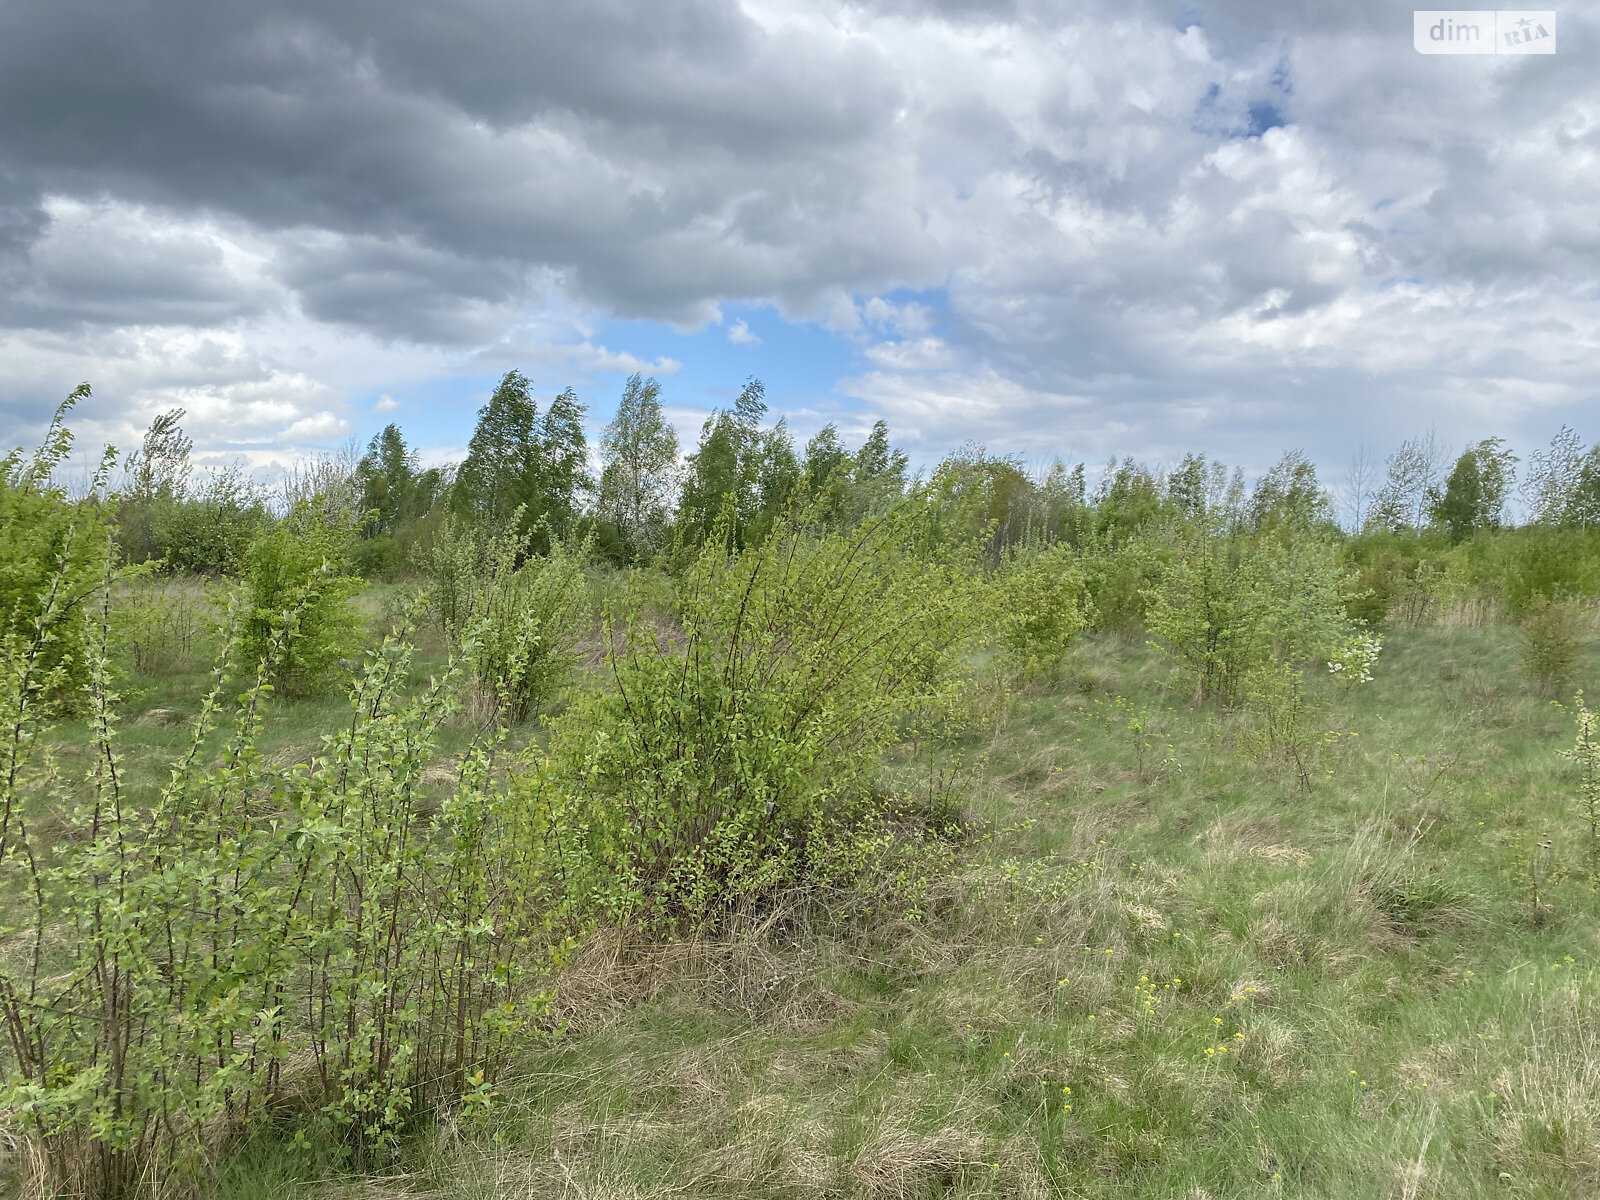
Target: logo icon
x=1483 y=31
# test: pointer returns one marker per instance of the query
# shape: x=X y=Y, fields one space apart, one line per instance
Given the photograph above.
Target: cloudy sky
x=1079 y=228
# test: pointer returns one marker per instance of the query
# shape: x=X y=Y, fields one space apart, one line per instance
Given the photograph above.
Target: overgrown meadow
x=773 y=822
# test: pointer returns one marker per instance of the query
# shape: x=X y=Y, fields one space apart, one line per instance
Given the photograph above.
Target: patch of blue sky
x=1264 y=115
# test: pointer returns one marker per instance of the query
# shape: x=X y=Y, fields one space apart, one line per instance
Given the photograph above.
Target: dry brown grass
x=744 y=974
x=898 y=1164
x=1552 y=1097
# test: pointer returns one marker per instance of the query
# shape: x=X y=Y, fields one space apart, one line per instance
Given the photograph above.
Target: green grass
x=159 y=706
x=1249 y=990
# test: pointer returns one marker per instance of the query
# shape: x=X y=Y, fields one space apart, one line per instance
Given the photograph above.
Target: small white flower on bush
x=1354 y=662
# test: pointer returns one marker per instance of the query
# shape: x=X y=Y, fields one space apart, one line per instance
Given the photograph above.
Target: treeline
x=530 y=470
x=525 y=472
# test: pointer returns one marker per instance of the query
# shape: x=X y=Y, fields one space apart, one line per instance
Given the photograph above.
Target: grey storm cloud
x=1243 y=224
x=673 y=155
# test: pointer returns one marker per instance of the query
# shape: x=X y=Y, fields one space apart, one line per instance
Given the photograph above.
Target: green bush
x=1118 y=580
x=1585 y=756
x=1552 y=635
x=1379 y=579
x=53 y=559
x=209 y=531
x=1394 y=575
x=647 y=592
x=1045 y=600
x=301 y=567
x=378 y=557
x=1537 y=563
x=1402 y=575
x=1278 y=727
x=1228 y=605
x=331 y=935
x=516 y=615
x=739 y=756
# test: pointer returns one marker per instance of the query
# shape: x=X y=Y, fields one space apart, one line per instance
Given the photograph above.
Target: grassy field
x=1160 y=968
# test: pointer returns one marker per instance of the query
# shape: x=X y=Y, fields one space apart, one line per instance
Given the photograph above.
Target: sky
x=1086 y=229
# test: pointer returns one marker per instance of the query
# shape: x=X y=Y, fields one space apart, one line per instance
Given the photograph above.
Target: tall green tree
x=826 y=460
x=387 y=476
x=501 y=471
x=876 y=459
x=1186 y=486
x=1203 y=489
x=159 y=469
x=877 y=476
x=713 y=477
x=1474 y=493
x=847 y=488
x=639 y=453
x=725 y=468
x=1127 y=500
x=157 y=479
x=1061 y=502
x=982 y=499
x=518 y=461
x=758 y=472
x=1583 y=505
x=1289 y=495
x=1459 y=507
x=563 y=458
x=779 y=476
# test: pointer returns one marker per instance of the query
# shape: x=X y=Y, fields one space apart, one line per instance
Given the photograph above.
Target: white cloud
x=739 y=334
x=599 y=358
x=920 y=354
x=318 y=427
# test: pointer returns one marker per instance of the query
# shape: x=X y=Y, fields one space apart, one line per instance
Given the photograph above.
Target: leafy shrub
x=977 y=498
x=173 y=964
x=1229 y=605
x=1044 y=602
x=301 y=567
x=1208 y=611
x=1552 y=635
x=646 y=592
x=1396 y=574
x=378 y=557
x=208 y=531
x=1417 y=598
x=1353 y=663
x=53 y=558
x=740 y=756
x=1538 y=563
x=1278 y=718
x=515 y=614
x=1585 y=754
x=1119 y=580
x=1303 y=593
x=1380 y=579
